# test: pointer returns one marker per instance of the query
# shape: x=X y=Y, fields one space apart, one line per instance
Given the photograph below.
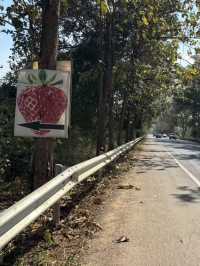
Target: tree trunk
x=111 y=143
x=127 y=127
x=132 y=130
x=43 y=159
x=122 y=117
x=101 y=118
x=105 y=105
x=109 y=88
x=139 y=125
x=101 y=106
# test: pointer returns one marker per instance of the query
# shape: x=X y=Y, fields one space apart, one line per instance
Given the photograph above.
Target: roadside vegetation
x=126 y=75
x=183 y=114
x=125 y=69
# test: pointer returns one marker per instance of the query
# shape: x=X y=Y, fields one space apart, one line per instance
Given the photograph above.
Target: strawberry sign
x=42 y=103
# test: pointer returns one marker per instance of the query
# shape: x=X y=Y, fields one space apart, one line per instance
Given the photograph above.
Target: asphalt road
x=162 y=220
x=187 y=153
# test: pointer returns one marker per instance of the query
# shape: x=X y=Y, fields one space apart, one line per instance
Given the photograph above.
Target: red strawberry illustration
x=44 y=103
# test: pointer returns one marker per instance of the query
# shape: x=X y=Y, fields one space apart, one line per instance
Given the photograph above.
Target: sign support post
x=44 y=165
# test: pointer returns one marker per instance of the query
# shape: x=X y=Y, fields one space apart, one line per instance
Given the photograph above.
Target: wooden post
x=43 y=158
x=35 y=65
x=59 y=168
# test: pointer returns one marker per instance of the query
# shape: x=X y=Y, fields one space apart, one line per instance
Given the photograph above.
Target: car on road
x=158 y=135
x=172 y=136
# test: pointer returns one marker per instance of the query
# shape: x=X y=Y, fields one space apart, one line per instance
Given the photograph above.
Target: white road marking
x=194 y=179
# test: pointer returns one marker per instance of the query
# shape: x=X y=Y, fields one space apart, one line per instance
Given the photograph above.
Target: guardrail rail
x=16 y=218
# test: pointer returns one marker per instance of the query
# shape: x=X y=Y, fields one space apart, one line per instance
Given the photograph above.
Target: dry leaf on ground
x=125 y=186
x=122 y=239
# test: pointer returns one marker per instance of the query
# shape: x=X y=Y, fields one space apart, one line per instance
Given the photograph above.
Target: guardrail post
x=56 y=208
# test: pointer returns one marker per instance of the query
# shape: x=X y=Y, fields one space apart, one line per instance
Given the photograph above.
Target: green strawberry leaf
x=59 y=82
x=22 y=82
x=42 y=76
x=29 y=79
x=51 y=79
x=33 y=77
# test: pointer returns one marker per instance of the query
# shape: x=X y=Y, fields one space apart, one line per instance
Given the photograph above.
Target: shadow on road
x=180 y=144
x=188 y=156
x=153 y=159
x=188 y=194
x=153 y=162
x=184 y=150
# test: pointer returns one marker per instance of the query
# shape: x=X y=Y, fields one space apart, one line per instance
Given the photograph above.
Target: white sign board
x=42 y=103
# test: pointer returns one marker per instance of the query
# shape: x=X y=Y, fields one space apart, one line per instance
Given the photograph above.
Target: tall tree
x=43 y=160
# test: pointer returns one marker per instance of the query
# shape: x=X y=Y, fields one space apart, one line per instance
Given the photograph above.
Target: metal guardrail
x=16 y=218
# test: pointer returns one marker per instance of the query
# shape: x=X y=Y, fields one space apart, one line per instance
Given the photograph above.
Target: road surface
x=162 y=220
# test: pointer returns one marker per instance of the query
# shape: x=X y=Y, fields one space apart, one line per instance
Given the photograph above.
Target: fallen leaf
x=97 y=225
x=122 y=239
x=80 y=220
x=97 y=201
x=137 y=188
x=70 y=237
x=125 y=186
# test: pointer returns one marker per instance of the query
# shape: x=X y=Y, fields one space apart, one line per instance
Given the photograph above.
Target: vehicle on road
x=172 y=136
x=158 y=135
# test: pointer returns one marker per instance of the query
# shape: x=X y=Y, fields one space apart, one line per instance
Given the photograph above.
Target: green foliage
x=15 y=153
x=136 y=42
x=104 y=8
x=79 y=147
x=25 y=18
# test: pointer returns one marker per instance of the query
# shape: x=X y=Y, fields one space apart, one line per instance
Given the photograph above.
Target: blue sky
x=6 y=44
x=186 y=59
